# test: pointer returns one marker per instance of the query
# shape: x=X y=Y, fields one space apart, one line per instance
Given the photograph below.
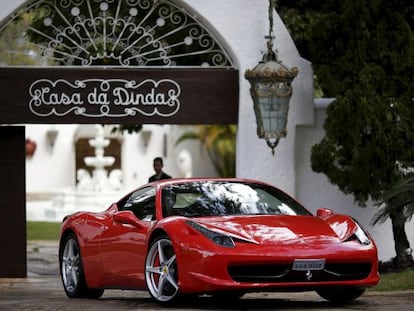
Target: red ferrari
x=181 y=237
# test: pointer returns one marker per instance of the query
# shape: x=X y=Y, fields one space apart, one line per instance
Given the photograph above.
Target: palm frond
x=398 y=200
x=219 y=141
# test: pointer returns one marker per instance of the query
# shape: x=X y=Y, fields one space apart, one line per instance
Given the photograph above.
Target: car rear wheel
x=161 y=273
x=71 y=270
x=340 y=294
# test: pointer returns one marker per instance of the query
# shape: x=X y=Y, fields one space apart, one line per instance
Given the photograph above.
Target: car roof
x=204 y=179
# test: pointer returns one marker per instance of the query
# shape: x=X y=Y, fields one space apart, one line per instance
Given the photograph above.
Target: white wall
x=243 y=24
x=7 y=7
x=50 y=168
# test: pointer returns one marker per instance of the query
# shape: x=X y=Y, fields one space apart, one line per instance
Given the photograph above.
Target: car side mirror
x=127 y=217
x=324 y=213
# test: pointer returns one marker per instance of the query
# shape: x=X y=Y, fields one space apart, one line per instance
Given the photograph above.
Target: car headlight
x=362 y=236
x=218 y=238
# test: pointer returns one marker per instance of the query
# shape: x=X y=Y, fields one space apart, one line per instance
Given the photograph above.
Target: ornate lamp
x=271 y=90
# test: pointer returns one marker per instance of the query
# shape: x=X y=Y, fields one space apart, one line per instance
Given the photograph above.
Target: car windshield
x=225 y=198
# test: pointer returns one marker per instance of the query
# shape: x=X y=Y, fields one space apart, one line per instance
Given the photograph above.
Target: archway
x=109 y=62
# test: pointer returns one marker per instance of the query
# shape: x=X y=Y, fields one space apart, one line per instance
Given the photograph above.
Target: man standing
x=159 y=173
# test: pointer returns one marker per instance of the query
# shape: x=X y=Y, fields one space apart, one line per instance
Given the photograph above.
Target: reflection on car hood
x=269 y=229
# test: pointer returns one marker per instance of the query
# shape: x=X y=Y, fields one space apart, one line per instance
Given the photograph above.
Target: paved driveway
x=46 y=293
x=42 y=290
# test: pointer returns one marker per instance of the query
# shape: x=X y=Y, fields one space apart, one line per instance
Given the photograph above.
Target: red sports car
x=182 y=237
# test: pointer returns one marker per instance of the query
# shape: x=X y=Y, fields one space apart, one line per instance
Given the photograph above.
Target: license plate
x=308 y=264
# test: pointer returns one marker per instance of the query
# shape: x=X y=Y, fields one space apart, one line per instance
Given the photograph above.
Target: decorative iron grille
x=115 y=33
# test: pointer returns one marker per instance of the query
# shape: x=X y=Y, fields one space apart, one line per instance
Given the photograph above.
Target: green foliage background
x=363 y=55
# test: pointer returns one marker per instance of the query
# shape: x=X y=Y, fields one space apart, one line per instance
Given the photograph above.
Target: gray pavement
x=42 y=290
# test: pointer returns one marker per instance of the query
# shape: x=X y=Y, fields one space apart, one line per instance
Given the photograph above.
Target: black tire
x=161 y=272
x=340 y=295
x=71 y=270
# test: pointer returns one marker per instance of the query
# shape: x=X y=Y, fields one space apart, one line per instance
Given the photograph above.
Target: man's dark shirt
x=156 y=177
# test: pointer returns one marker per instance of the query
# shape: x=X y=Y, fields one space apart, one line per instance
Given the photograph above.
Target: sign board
x=65 y=95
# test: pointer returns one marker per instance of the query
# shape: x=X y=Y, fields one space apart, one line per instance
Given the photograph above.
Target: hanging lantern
x=271 y=89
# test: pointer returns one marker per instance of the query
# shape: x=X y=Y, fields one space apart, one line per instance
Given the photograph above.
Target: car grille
x=284 y=273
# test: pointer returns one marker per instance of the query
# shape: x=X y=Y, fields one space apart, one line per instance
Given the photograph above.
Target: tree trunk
x=404 y=257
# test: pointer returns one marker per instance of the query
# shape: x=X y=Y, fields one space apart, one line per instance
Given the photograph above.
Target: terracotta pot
x=30 y=147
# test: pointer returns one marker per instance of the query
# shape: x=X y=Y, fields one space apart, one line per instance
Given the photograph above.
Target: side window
x=142 y=203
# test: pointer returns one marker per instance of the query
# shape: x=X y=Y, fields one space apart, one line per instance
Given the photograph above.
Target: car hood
x=270 y=229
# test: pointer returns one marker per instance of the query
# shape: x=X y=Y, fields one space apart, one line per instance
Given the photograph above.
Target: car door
x=124 y=240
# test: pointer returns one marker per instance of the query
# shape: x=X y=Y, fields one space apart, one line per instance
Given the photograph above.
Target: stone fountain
x=99 y=181
x=94 y=192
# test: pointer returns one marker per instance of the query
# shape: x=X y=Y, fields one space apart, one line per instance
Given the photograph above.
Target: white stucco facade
x=242 y=25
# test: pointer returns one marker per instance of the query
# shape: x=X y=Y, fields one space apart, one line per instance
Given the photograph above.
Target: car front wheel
x=340 y=294
x=161 y=273
x=71 y=270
